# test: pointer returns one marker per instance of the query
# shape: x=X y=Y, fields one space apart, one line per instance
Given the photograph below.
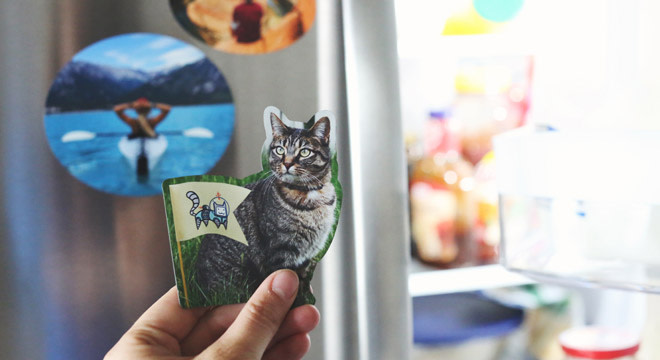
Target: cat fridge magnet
x=227 y=235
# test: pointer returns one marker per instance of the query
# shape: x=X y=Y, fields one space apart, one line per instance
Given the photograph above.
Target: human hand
x=162 y=106
x=263 y=328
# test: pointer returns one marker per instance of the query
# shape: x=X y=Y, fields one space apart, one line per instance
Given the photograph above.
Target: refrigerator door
x=81 y=265
x=365 y=272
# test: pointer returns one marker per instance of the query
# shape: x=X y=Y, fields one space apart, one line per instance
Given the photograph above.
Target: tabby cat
x=286 y=218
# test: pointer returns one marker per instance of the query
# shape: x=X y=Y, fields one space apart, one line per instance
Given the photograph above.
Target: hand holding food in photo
x=246 y=26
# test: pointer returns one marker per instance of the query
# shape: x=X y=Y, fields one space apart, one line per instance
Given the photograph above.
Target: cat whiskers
x=270 y=182
x=311 y=180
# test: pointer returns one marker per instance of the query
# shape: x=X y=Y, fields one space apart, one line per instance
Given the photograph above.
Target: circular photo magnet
x=246 y=26
x=132 y=110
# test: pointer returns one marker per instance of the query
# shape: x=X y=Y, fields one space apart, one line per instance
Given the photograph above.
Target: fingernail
x=285 y=284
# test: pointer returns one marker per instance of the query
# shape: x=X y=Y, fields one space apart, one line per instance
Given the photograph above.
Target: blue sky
x=140 y=51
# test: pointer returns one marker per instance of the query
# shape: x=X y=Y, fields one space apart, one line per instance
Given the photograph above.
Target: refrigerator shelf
x=581 y=207
x=425 y=280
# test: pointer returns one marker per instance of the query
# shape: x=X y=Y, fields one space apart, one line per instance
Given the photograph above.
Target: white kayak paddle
x=83 y=135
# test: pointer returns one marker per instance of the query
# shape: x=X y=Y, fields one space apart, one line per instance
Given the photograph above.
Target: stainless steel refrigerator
x=80 y=265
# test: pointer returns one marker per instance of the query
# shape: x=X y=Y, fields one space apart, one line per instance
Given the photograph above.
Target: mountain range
x=87 y=86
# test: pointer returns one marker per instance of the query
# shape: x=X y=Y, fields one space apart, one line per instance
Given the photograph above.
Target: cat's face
x=220 y=210
x=298 y=156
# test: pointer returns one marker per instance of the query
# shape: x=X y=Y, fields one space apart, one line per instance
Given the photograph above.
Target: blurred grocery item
x=592 y=342
x=486 y=228
x=414 y=148
x=441 y=134
x=463 y=326
x=433 y=213
x=442 y=209
x=492 y=96
x=548 y=312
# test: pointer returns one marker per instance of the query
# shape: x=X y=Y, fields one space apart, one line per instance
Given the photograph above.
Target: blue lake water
x=99 y=164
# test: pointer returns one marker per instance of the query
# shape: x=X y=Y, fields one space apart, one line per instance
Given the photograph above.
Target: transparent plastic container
x=581 y=208
x=590 y=342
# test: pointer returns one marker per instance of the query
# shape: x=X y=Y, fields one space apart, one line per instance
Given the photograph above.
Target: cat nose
x=288 y=163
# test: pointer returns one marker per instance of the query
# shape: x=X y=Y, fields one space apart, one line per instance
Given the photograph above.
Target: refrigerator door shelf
x=581 y=208
x=424 y=280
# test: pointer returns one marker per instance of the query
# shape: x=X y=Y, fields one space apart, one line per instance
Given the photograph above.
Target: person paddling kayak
x=149 y=143
x=143 y=126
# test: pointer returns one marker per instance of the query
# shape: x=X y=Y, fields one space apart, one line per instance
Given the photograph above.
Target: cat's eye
x=305 y=153
x=279 y=150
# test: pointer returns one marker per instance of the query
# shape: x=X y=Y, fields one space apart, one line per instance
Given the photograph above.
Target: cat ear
x=278 y=126
x=322 y=129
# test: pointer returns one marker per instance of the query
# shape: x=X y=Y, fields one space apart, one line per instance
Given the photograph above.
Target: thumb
x=257 y=323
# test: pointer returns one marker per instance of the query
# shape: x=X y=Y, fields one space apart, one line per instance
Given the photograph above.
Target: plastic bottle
x=592 y=342
x=442 y=210
x=486 y=228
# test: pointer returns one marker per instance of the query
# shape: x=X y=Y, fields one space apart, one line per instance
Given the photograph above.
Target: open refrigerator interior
x=562 y=94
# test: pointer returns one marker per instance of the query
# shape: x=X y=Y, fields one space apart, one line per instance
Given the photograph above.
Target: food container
x=442 y=209
x=462 y=326
x=604 y=343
